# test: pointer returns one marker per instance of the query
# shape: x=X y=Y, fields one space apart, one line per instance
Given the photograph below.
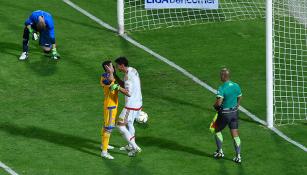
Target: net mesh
x=290 y=60
x=138 y=18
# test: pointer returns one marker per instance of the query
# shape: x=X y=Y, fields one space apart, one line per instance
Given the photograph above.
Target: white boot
x=133 y=152
x=23 y=56
x=126 y=148
x=106 y=155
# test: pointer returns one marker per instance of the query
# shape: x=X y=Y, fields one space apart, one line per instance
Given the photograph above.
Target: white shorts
x=128 y=115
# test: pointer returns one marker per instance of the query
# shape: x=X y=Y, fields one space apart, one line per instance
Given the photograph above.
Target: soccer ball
x=142 y=118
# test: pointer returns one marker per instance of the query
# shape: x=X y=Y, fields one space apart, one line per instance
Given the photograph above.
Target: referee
x=226 y=104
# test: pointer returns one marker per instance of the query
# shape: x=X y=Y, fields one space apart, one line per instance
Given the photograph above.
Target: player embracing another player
x=133 y=104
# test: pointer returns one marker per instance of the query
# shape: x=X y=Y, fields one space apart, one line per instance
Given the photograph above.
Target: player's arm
x=29 y=21
x=218 y=103
x=52 y=37
x=28 y=24
x=124 y=91
x=120 y=89
x=119 y=81
x=51 y=33
x=110 y=70
x=113 y=75
x=219 y=100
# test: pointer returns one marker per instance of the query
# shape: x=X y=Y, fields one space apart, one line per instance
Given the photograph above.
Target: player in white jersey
x=133 y=104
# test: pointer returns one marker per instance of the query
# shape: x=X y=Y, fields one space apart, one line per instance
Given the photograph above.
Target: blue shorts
x=44 y=39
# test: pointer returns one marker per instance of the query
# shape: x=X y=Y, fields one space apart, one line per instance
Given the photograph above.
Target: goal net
x=290 y=60
x=138 y=17
x=289 y=41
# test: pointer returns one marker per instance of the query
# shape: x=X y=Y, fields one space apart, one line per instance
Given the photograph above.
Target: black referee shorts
x=229 y=117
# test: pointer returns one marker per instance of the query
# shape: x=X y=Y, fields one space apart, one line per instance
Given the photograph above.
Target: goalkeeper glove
x=54 y=54
x=33 y=34
x=114 y=87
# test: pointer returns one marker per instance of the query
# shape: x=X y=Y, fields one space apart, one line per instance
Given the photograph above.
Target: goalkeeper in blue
x=39 y=26
x=227 y=102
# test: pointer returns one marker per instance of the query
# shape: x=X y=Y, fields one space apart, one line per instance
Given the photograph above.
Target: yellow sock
x=105 y=140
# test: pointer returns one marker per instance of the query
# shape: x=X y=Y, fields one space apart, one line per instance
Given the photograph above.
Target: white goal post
x=121 y=16
x=269 y=63
x=286 y=42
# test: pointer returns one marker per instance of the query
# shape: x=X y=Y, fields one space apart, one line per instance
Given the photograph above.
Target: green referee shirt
x=229 y=91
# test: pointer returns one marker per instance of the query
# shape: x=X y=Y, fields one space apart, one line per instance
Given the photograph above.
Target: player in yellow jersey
x=110 y=89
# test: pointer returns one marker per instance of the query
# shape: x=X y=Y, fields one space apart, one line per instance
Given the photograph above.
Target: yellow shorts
x=109 y=117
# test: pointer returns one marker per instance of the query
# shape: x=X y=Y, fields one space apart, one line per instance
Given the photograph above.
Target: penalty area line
x=180 y=69
x=7 y=169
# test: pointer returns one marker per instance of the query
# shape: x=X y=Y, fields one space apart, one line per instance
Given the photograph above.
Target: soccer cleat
x=237 y=159
x=106 y=155
x=126 y=148
x=23 y=56
x=218 y=154
x=133 y=152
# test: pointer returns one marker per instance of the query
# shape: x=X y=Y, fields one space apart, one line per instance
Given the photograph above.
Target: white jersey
x=133 y=85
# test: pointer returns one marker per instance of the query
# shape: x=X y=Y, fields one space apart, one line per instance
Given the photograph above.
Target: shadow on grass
x=133 y=168
x=11 y=49
x=174 y=146
x=45 y=66
x=170 y=145
x=178 y=101
x=75 y=142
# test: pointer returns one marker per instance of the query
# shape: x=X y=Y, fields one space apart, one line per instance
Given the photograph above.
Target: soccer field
x=51 y=111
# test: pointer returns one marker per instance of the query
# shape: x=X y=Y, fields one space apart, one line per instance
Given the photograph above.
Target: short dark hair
x=122 y=60
x=105 y=63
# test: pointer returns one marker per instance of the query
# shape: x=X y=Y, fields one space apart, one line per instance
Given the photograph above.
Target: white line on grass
x=180 y=69
x=7 y=169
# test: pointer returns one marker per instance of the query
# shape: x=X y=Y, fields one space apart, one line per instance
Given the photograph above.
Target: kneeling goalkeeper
x=39 y=26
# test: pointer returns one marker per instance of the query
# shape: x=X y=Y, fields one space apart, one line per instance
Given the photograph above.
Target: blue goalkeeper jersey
x=33 y=20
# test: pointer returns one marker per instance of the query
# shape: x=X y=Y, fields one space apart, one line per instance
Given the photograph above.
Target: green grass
x=51 y=112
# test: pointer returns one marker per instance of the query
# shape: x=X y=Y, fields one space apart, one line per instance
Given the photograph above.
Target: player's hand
x=217 y=108
x=35 y=36
x=114 y=87
x=54 y=54
x=110 y=68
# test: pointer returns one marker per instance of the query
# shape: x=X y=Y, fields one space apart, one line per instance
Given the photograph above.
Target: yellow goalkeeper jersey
x=110 y=97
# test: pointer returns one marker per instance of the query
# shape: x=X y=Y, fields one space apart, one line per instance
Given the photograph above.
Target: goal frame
x=269 y=64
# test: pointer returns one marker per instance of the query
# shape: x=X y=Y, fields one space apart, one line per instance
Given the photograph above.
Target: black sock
x=25 y=42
